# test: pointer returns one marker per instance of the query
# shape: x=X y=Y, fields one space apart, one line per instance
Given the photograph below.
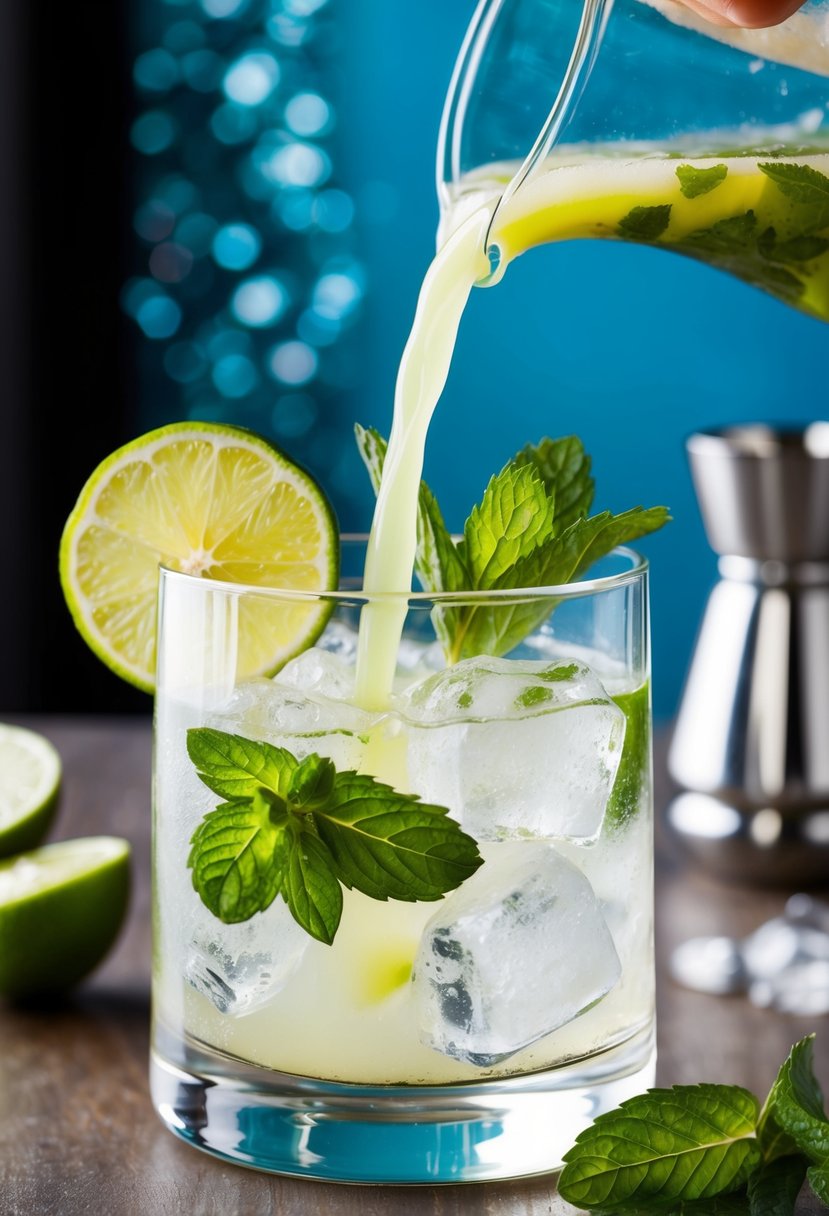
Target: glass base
x=391 y=1134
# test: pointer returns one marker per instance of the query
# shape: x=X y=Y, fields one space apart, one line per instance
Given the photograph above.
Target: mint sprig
x=706 y=1149
x=532 y=528
x=303 y=830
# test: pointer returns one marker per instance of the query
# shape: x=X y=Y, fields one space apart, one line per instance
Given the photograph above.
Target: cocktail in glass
x=459 y=1038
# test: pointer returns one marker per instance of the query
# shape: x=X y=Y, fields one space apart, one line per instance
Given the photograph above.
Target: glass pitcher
x=664 y=130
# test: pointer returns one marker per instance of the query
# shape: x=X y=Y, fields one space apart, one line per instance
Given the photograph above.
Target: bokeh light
x=153 y=132
x=293 y=362
x=251 y=79
x=245 y=290
x=260 y=301
x=236 y=246
x=307 y=114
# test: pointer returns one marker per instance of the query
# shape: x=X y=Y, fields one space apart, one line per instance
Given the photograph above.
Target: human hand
x=752 y=14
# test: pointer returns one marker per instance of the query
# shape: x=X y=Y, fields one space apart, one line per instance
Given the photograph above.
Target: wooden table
x=78 y=1133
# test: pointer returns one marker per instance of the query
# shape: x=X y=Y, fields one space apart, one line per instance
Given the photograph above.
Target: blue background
x=630 y=348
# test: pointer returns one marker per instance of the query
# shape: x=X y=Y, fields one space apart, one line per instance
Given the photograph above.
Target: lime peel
x=61 y=909
x=30 y=775
x=205 y=499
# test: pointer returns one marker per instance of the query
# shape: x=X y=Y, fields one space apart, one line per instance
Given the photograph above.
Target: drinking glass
x=467 y=1038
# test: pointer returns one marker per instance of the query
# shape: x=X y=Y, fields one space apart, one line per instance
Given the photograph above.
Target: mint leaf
x=818 y=1178
x=514 y=516
x=808 y=188
x=686 y=1143
x=800 y=183
x=722 y=1205
x=311 y=888
x=438 y=564
x=797 y=249
x=390 y=845
x=773 y=1188
x=372 y=448
x=564 y=468
x=529 y=531
x=645 y=223
x=726 y=236
x=311 y=829
x=694 y=182
x=793 y=1117
x=596 y=537
x=234 y=767
x=311 y=783
x=496 y=627
x=237 y=857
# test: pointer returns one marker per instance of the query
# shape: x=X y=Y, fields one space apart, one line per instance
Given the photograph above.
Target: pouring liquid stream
x=759 y=213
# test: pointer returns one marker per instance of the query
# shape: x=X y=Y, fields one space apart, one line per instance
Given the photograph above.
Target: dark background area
x=67 y=399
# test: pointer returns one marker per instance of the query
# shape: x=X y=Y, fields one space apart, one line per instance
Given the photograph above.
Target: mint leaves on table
x=532 y=528
x=303 y=830
x=706 y=1149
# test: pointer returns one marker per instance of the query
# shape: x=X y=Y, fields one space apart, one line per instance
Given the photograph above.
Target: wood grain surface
x=78 y=1134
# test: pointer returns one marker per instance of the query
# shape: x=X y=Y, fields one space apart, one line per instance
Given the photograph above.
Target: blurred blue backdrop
x=284 y=216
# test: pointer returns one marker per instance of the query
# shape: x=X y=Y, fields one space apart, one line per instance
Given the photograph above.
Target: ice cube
x=340 y=639
x=515 y=747
x=518 y=951
x=242 y=967
x=302 y=709
x=802 y=988
x=779 y=944
x=325 y=672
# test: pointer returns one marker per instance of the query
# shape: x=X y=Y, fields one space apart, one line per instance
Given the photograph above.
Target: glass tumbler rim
x=352 y=590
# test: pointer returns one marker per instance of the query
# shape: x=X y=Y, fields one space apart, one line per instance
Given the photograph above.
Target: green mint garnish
x=531 y=529
x=793 y=1118
x=773 y=1188
x=564 y=469
x=818 y=1179
x=694 y=182
x=645 y=223
x=690 y=1142
x=303 y=830
x=706 y=1149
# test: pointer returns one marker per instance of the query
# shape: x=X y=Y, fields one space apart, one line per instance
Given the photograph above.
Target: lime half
x=61 y=908
x=29 y=787
x=206 y=499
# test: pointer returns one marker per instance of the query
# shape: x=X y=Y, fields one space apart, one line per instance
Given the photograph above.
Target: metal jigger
x=751 y=745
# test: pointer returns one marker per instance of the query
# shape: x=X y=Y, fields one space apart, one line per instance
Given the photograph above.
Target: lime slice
x=210 y=500
x=60 y=911
x=384 y=970
x=29 y=787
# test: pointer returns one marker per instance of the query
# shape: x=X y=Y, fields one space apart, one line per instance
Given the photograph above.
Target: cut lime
x=61 y=907
x=384 y=970
x=29 y=788
x=211 y=500
x=632 y=774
